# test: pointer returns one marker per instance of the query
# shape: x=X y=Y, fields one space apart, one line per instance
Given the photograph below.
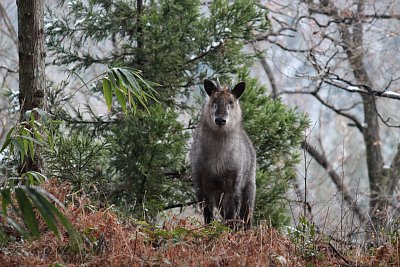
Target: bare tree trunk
x=378 y=183
x=31 y=63
x=352 y=43
x=320 y=158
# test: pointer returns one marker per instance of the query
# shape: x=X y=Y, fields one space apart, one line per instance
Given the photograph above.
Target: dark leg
x=207 y=205
x=208 y=212
x=230 y=207
x=247 y=205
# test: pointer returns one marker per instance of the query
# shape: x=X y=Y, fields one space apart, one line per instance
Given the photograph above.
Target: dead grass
x=108 y=240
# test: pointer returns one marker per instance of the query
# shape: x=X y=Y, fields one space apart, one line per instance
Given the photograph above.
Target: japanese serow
x=223 y=158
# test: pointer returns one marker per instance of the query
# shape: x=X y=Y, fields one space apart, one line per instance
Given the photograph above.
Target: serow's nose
x=220 y=121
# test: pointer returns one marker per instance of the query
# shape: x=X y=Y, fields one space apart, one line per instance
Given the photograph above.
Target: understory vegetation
x=110 y=239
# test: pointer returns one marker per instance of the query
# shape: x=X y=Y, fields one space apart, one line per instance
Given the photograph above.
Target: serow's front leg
x=206 y=205
x=230 y=210
x=208 y=210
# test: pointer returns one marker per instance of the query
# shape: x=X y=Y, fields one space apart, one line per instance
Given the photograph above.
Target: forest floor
x=106 y=239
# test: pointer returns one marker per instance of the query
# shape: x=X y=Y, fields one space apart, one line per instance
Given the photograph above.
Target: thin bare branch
x=10 y=28
x=339 y=112
x=336 y=179
x=8 y=69
x=268 y=72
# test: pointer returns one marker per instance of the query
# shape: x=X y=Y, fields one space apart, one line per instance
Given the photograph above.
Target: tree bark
x=31 y=63
x=139 y=30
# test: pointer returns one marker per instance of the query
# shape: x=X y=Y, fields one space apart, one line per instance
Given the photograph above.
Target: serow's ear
x=238 y=90
x=209 y=86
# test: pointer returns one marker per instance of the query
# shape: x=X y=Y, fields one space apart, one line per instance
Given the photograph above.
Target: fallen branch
x=180 y=205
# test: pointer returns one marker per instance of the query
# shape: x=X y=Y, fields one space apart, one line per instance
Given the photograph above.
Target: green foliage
x=276 y=132
x=83 y=158
x=22 y=139
x=304 y=236
x=78 y=159
x=129 y=87
x=271 y=204
x=148 y=154
x=174 y=43
x=181 y=233
x=75 y=158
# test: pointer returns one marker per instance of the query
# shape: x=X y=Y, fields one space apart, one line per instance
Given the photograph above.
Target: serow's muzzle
x=220 y=121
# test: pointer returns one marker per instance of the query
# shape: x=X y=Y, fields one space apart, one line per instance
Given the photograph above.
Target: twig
x=180 y=205
x=335 y=178
x=338 y=253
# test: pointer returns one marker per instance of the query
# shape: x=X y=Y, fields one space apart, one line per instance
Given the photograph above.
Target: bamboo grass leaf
x=8 y=139
x=5 y=200
x=31 y=149
x=121 y=98
x=16 y=226
x=128 y=87
x=28 y=214
x=107 y=92
x=45 y=209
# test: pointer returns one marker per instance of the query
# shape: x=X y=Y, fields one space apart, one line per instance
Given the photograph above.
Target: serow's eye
x=231 y=102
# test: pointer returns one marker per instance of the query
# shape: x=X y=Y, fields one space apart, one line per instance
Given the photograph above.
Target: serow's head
x=223 y=109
